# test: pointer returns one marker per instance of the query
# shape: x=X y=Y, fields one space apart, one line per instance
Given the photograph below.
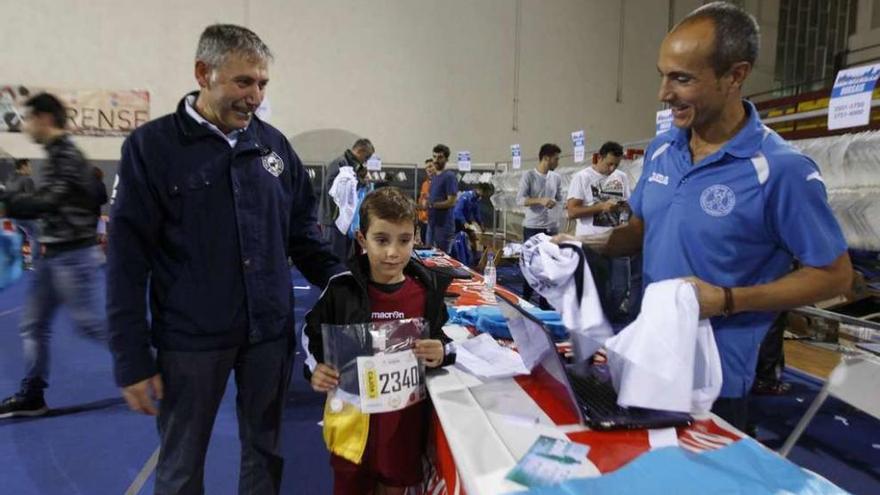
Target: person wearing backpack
x=66 y=209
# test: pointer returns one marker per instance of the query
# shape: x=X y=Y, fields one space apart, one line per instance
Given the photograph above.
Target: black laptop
x=586 y=388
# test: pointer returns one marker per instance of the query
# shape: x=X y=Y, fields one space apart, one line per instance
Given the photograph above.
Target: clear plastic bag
x=378 y=370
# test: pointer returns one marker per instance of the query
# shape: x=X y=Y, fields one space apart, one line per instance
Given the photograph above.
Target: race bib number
x=389 y=382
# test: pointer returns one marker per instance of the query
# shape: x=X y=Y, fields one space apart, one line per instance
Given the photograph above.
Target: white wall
x=406 y=73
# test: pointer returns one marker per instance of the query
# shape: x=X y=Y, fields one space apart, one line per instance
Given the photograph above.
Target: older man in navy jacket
x=211 y=202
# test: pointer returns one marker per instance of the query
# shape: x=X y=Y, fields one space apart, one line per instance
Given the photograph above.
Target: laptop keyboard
x=597 y=396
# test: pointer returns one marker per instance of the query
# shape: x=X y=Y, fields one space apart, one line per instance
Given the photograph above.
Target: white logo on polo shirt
x=273 y=164
x=718 y=200
x=659 y=179
x=815 y=176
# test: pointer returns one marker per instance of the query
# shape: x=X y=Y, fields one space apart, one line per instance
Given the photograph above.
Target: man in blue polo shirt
x=724 y=201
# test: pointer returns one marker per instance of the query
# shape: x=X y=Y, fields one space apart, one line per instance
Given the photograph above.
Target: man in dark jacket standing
x=328 y=211
x=65 y=207
x=210 y=203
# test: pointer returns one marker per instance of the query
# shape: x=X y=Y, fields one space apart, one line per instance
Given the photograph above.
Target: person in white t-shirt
x=597 y=194
x=597 y=199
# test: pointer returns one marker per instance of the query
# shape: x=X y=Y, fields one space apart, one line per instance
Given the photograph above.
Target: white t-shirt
x=591 y=187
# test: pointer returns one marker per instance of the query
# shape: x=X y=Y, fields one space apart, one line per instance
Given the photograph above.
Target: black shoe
x=21 y=405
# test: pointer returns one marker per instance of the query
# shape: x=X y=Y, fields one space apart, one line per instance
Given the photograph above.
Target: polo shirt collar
x=746 y=142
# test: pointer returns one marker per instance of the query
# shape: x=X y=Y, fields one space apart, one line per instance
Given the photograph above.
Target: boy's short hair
x=389 y=204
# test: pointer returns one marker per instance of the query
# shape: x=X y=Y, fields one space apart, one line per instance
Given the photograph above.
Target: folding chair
x=856 y=381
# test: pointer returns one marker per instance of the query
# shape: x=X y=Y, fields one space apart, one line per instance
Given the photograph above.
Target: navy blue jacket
x=208 y=228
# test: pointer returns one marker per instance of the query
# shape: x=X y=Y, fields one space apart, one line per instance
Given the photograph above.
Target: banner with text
x=850 y=104
x=516 y=156
x=90 y=112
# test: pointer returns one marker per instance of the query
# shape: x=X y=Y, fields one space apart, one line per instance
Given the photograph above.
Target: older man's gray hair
x=218 y=41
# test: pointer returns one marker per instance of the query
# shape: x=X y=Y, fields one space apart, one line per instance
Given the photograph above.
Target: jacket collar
x=351 y=159
x=193 y=131
x=360 y=269
x=61 y=140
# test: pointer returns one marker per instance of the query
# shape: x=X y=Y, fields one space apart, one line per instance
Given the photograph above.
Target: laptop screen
x=539 y=354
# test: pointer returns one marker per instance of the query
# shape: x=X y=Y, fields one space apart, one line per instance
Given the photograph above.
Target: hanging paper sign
x=464 y=161
x=664 y=121
x=516 y=156
x=374 y=164
x=850 y=104
x=577 y=140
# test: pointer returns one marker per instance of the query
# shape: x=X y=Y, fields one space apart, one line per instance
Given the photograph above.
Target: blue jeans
x=440 y=236
x=69 y=278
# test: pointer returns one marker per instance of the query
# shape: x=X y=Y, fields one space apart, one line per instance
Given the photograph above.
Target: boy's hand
x=431 y=351
x=325 y=378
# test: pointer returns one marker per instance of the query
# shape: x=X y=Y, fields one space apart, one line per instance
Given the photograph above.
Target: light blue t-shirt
x=739 y=217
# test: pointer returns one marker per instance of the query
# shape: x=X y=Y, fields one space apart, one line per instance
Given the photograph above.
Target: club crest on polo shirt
x=718 y=200
x=273 y=164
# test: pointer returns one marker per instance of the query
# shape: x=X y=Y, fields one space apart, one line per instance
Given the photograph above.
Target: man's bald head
x=729 y=35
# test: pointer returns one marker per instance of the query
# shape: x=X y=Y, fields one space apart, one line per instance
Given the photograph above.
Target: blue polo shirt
x=739 y=217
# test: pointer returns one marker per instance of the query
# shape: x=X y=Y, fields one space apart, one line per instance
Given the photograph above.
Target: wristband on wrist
x=728 y=301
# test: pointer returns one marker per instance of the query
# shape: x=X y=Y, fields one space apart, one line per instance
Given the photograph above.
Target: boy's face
x=389 y=246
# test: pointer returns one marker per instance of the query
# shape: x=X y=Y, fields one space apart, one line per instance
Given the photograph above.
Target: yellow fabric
x=346 y=431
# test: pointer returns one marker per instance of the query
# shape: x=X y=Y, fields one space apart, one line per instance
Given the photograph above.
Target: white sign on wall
x=664 y=121
x=850 y=104
x=516 y=156
x=577 y=141
x=464 y=161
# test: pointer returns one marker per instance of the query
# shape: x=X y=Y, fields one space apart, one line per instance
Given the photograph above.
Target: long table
x=483 y=428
